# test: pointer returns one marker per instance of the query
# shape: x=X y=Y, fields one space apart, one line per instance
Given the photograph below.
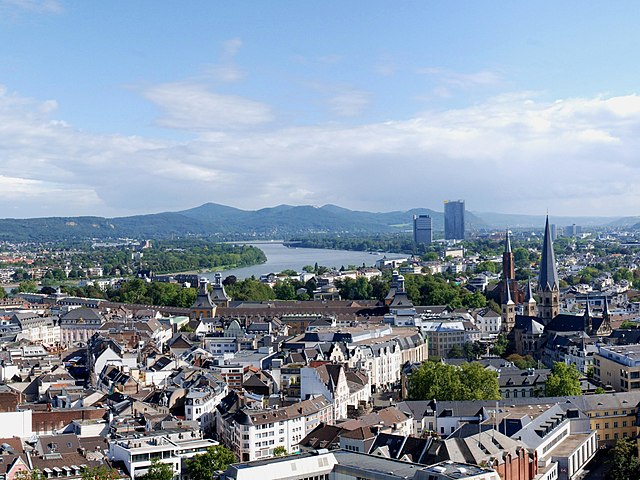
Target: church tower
x=508 y=310
x=508 y=273
x=588 y=318
x=203 y=307
x=548 y=284
x=529 y=306
x=508 y=269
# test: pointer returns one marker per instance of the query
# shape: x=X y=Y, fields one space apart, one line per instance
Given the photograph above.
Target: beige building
x=618 y=366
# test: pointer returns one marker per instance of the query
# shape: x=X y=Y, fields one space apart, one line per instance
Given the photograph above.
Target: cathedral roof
x=571 y=323
x=548 y=279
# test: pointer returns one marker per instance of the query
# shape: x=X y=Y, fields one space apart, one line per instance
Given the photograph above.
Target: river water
x=281 y=258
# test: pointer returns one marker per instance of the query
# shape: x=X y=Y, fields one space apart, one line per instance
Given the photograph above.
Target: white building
x=254 y=433
x=489 y=323
x=330 y=381
x=200 y=405
x=137 y=452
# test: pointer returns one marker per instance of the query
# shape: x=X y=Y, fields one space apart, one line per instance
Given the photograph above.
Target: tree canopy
x=159 y=471
x=100 y=472
x=216 y=458
x=625 y=464
x=563 y=381
x=439 y=381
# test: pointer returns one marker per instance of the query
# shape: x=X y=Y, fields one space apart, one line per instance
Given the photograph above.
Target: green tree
x=474 y=300
x=435 y=380
x=251 y=289
x=487 y=266
x=478 y=383
x=216 y=458
x=522 y=362
x=455 y=352
x=563 y=381
x=28 y=286
x=100 y=472
x=279 y=451
x=470 y=381
x=289 y=273
x=521 y=258
x=34 y=474
x=499 y=348
x=624 y=461
x=160 y=471
x=629 y=324
x=430 y=257
x=284 y=290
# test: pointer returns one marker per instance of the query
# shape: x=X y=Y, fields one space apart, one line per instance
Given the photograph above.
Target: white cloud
x=513 y=153
x=34 y=6
x=192 y=106
x=483 y=78
x=349 y=103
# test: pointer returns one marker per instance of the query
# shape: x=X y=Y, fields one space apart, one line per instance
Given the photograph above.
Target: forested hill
x=218 y=220
x=229 y=223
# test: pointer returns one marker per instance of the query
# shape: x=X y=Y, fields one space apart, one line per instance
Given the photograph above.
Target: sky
x=116 y=108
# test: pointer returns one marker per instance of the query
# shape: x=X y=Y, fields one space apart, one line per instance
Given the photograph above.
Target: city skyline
x=115 y=110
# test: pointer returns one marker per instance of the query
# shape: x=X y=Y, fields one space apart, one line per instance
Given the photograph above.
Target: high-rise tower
x=548 y=284
x=422 y=232
x=454 y=220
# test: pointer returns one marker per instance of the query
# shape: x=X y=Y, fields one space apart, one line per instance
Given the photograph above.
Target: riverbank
x=280 y=257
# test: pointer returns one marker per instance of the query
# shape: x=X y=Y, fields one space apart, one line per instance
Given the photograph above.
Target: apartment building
x=136 y=452
x=254 y=433
x=618 y=366
x=200 y=405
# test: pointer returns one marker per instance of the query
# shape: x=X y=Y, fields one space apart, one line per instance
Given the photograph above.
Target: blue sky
x=119 y=107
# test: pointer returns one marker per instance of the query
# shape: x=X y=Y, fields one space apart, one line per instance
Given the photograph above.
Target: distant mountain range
x=276 y=222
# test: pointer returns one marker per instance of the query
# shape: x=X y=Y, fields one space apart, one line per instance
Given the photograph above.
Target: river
x=281 y=258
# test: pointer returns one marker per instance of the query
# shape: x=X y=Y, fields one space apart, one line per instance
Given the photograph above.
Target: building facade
x=454 y=220
x=422 y=232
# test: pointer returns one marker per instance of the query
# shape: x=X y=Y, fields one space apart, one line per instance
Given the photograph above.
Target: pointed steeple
x=529 y=306
x=529 y=298
x=548 y=274
x=588 y=322
x=508 y=300
x=587 y=308
x=508 y=265
x=606 y=314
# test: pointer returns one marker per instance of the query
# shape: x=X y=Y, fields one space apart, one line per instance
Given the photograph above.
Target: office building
x=454 y=220
x=422 y=232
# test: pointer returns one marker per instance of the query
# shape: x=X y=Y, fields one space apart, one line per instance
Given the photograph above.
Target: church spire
x=548 y=274
x=508 y=300
x=529 y=298
x=587 y=308
x=588 y=322
x=508 y=265
x=529 y=306
x=508 y=310
x=548 y=284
